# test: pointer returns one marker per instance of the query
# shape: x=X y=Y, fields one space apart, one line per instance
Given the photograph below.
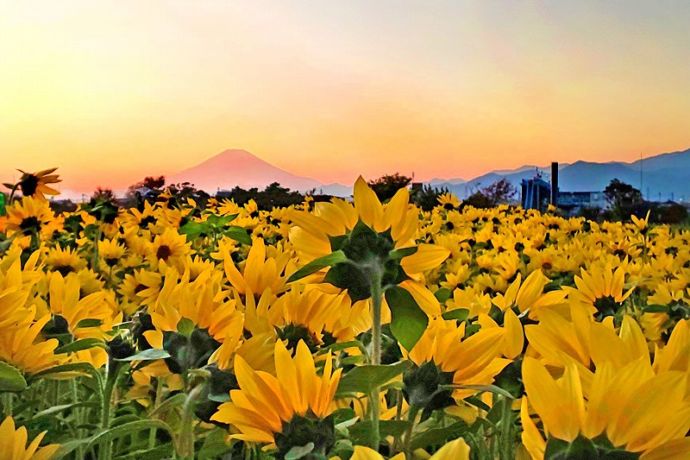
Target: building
x=575 y=201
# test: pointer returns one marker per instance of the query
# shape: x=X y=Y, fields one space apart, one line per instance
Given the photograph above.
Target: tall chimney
x=554 y=183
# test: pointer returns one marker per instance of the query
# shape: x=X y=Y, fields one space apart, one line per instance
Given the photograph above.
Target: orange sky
x=111 y=91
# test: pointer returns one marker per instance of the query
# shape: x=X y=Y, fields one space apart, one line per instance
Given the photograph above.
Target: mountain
x=661 y=177
x=236 y=167
x=664 y=176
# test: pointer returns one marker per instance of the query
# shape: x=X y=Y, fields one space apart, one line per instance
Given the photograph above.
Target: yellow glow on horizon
x=111 y=91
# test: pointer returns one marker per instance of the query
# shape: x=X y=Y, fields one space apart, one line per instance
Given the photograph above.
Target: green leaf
x=62 y=407
x=82 y=344
x=438 y=436
x=170 y=403
x=655 y=309
x=443 y=294
x=220 y=221
x=11 y=379
x=185 y=327
x=364 y=379
x=360 y=432
x=238 y=234
x=193 y=229
x=68 y=447
x=128 y=429
x=408 y=321
x=63 y=368
x=219 y=397
x=298 y=452
x=89 y=322
x=214 y=445
x=459 y=314
x=397 y=254
x=318 y=264
x=147 y=355
x=483 y=389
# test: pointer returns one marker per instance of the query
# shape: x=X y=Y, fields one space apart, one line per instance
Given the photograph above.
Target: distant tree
x=182 y=192
x=622 y=198
x=499 y=192
x=102 y=195
x=153 y=183
x=479 y=200
x=274 y=195
x=103 y=205
x=386 y=186
x=147 y=189
x=426 y=196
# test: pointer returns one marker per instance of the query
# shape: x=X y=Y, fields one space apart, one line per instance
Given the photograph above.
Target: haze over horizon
x=111 y=91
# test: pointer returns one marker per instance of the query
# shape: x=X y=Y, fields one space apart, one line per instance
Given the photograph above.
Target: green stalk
x=112 y=374
x=376 y=299
x=156 y=403
x=79 y=416
x=506 y=435
x=411 y=417
x=94 y=254
x=7 y=404
x=185 y=447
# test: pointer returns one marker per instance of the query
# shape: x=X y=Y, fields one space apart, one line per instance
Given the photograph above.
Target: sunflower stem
x=112 y=375
x=185 y=447
x=156 y=403
x=7 y=404
x=411 y=416
x=94 y=254
x=376 y=299
x=507 y=436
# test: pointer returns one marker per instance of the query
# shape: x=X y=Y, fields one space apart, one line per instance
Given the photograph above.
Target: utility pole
x=641 y=189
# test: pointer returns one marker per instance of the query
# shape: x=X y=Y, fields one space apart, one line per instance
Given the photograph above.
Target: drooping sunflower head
x=373 y=240
x=288 y=409
x=620 y=412
x=37 y=184
x=601 y=290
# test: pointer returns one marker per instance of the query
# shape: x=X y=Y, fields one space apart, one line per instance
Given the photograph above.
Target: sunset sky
x=112 y=90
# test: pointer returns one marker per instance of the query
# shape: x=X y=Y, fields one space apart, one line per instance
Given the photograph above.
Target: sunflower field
x=336 y=330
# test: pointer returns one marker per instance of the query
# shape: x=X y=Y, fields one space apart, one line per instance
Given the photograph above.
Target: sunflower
x=443 y=356
x=29 y=216
x=626 y=411
x=110 y=251
x=64 y=260
x=13 y=443
x=558 y=342
x=388 y=226
x=37 y=184
x=529 y=296
x=169 y=248
x=74 y=314
x=22 y=346
x=302 y=314
x=260 y=270
x=600 y=290
x=288 y=409
x=195 y=301
x=448 y=201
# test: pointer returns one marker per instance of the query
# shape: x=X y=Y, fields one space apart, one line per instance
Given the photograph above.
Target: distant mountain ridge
x=660 y=177
x=236 y=167
x=664 y=176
